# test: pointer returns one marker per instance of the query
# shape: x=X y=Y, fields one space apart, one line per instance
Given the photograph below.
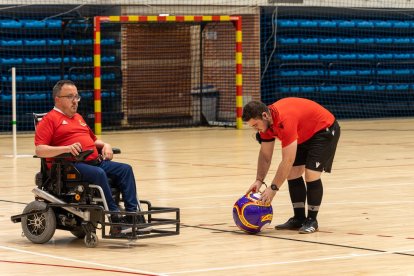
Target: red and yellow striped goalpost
x=98 y=20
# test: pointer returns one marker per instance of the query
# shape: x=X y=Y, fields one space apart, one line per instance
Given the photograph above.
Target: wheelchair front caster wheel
x=91 y=240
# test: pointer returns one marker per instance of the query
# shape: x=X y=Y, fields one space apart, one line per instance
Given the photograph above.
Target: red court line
x=79 y=267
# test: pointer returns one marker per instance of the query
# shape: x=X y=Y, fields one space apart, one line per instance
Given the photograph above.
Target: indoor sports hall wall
x=355 y=57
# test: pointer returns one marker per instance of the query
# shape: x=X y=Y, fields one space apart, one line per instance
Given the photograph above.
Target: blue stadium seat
x=382 y=24
x=384 y=72
x=384 y=55
x=401 y=55
x=29 y=23
x=12 y=24
x=346 y=40
x=57 y=42
x=349 y=88
x=329 y=88
x=309 y=56
x=54 y=60
x=400 y=24
x=53 y=23
x=34 y=42
x=108 y=59
x=311 y=73
x=81 y=42
x=9 y=43
x=369 y=87
x=344 y=56
x=308 y=89
x=365 y=40
x=288 y=40
x=308 y=40
x=326 y=23
x=10 y=61
x=287 y=23
x=384 y=40
x=365 y=56
x=305 y=23
x=35 y=96
x=402 y=40
x=55 y=78
x=34 y=78
x=402 y=72
x=289 y=56
x=289 y=73
x=364 y=23
x=345 y=23
x=35 y=60
x=364 y=72
x=328 y=40
x=328 y=56
x=108 y=41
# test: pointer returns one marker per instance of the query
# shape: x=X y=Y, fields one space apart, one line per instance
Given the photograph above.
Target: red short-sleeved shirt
x=57 y=129
x=296 y=119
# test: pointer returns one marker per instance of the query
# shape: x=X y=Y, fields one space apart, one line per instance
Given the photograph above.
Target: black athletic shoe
x=140 y=224
x=121 y=225
x=292 y=224
x=309 y=226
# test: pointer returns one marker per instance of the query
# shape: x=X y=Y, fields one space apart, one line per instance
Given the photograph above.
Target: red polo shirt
x=57 y=129
x=296 y=119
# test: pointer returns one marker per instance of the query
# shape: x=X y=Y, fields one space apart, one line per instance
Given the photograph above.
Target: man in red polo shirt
x=63 y=130
x=309 y=135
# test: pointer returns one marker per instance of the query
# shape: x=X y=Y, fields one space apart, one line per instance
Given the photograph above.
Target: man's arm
x=106 y=149
x=45 y=151
x=285 y=165
x=263 y=165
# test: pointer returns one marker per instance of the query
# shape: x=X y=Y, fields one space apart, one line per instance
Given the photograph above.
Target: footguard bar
x=163 y=220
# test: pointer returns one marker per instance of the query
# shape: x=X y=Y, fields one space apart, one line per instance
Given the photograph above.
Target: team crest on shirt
x=82 y=123
x=64 y=122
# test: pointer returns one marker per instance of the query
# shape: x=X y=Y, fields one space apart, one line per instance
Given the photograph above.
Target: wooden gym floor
x=366 y=219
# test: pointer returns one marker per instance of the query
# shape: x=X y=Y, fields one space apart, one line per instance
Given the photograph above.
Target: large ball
x=250 y=215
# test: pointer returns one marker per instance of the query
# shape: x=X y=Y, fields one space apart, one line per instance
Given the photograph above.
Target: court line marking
x=348 y=256
x=120 y=268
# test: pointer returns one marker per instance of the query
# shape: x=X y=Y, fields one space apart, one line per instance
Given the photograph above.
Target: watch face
x=274 y=187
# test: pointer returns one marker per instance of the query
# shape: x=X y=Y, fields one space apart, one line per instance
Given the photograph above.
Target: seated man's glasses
x=71 y=97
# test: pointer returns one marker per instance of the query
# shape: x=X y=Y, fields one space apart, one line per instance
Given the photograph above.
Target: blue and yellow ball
x=250 y=215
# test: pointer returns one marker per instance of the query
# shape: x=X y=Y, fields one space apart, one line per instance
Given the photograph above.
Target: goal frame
x=98 y=20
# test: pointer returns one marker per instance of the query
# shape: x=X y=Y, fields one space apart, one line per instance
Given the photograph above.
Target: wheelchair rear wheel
x=38 y=227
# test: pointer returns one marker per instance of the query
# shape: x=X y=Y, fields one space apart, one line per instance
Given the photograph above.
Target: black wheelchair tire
x=39 y=227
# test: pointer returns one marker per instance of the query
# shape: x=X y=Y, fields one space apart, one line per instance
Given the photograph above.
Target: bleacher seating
x=45 y=51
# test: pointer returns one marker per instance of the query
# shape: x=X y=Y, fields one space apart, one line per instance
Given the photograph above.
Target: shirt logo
x=64 y=122
x=318 y=164
x=82 y=123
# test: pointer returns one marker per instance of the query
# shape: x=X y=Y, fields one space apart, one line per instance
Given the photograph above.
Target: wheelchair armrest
x=81 y=157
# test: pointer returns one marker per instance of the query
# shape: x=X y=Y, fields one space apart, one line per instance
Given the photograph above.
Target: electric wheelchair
x=64 y=201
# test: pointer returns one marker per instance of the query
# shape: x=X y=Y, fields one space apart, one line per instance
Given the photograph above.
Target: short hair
x=58 y=87
x=254 y=110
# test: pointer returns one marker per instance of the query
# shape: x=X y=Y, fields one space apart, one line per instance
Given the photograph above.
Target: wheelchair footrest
x=159 y=222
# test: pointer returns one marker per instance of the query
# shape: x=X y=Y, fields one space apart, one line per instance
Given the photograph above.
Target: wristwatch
x=274 y=187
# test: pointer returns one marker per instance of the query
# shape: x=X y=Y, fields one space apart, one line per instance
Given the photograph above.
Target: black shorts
x=318 y=152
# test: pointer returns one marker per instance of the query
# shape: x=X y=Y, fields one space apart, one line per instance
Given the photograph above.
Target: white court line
x=348 y=256
x=79 y=261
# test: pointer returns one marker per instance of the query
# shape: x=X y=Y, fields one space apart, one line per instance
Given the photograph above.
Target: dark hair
x=254 y=110
x=58 y=87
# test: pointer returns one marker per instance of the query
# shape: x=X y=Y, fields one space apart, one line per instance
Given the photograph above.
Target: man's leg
x=96 y=175
x=124 y=178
